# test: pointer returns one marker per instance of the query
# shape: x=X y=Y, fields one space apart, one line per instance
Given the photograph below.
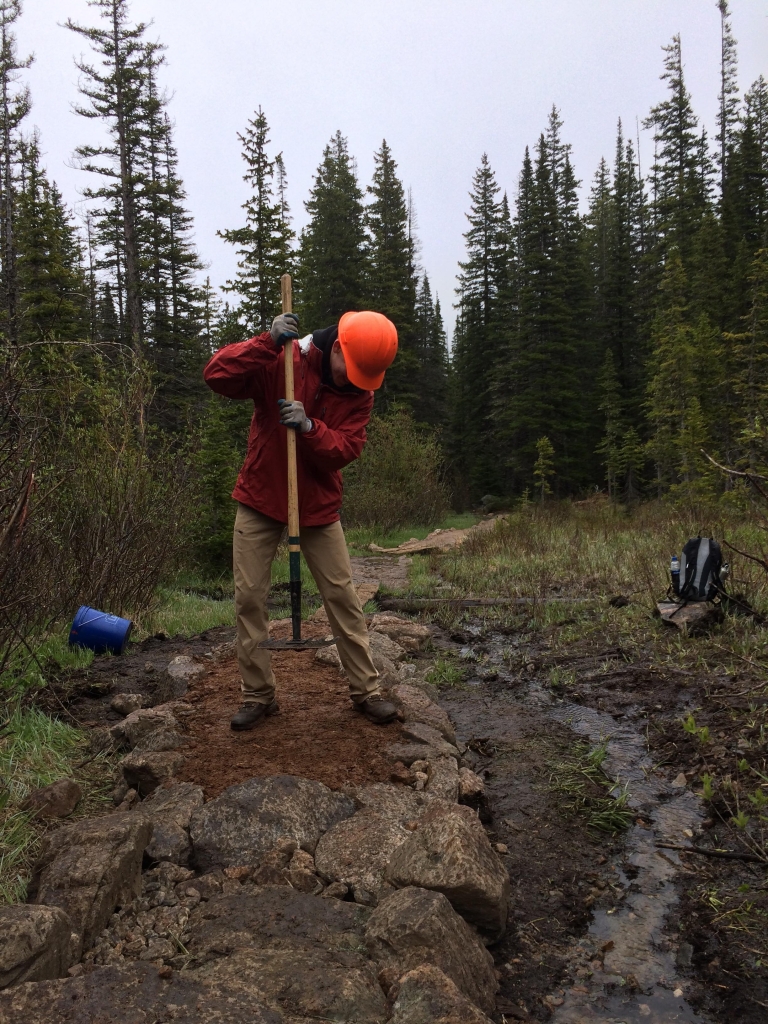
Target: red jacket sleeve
x=237 y=371
x=334 y=449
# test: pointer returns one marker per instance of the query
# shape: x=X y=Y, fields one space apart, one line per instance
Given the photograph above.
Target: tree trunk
x=132 y=281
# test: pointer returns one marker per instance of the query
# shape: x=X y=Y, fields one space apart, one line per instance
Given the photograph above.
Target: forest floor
x=606 y=740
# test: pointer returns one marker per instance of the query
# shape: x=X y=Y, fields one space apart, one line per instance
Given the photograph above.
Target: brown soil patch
x=317 y=735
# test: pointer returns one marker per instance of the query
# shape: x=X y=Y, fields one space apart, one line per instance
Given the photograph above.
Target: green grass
x=585 y=789
x=594 y=548
x=51 y=653
x=36 y=750
x=446 y=673
x=183 y=614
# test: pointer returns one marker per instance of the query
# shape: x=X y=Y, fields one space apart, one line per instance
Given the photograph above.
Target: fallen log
x=695 y=617
x=751 y=858
x=419 y=604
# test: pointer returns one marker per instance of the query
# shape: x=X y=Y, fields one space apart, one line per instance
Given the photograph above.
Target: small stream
x=634 y=977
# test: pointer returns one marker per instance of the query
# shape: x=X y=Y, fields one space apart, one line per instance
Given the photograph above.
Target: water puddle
x=627 y=961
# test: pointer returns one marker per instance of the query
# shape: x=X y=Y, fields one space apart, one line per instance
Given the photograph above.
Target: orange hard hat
x=369 y=343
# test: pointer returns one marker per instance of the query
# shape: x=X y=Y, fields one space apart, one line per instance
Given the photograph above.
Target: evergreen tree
x=115 y=96
x=681 y=169
x=53 y=296
x=264 y=242
x=391 y=284
x=14 y=107
x=141 y=228
x=432 y=356
x=728 y=99
x=108 y=328
x=625 y=276
x=474 y=358
x=682 y=387
x=610 y=447
x=333 y=268
x=750 y=366
x=545 y=382
x=544 y=467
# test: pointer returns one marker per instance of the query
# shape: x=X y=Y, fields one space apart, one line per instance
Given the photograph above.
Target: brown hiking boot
x=377 y=709
x=251 y=714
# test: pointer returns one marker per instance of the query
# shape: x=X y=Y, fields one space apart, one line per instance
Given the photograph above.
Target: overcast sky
x=442 y=80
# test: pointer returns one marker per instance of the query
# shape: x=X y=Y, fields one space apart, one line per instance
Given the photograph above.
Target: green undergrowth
x=181 y=613
x=36 y=750
x=579 y=781
x=592 y=549
x=446 y=673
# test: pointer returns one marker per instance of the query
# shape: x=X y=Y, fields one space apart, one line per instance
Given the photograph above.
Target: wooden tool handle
x=293 y=485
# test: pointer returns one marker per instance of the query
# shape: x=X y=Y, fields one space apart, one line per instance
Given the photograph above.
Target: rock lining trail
x=231 y=883
x=323 y=868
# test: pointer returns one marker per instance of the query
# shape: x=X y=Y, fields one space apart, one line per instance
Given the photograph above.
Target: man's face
x=338 y=366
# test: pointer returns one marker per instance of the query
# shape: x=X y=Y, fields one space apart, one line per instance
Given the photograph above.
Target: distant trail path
x=391 y=571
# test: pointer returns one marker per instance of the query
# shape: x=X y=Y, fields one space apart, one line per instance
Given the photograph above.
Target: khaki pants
x=325 y=550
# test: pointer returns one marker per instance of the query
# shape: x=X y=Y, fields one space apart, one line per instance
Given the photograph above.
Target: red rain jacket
x=255 y=369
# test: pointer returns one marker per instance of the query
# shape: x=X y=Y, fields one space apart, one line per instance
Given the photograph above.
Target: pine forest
x=601 y=344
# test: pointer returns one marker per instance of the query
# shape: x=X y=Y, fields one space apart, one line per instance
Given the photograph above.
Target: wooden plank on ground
x=694 y=617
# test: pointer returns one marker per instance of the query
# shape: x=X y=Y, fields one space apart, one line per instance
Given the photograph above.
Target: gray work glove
x=292 y=415
x=284 y=328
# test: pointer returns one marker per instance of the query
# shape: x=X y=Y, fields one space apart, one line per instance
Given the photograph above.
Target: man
x=336 y=371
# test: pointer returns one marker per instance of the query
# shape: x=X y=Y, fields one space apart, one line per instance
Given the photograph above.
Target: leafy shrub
x=108 y=511
x=398 y=479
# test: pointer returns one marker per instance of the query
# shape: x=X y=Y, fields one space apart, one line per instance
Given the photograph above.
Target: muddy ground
x=605 y=925
x=614 y=927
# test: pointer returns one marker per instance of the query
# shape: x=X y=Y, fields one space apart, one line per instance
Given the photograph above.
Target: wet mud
x=590 y=937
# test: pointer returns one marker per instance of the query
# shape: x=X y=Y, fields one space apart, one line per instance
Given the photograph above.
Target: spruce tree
x=683 y=387
x=264 y=242
x=474 y=358
x=624 y=280
x=680 y=171
x=544 y=467
x=728 y=99
x=432 y=354
x=750 y=367
x=546 y=381
x=178 y=354
x=14 y=107
x=332 y=260
x=391 y=284
x=610 y=447
x=142 y=230
x=113 y=92
x=52 y=289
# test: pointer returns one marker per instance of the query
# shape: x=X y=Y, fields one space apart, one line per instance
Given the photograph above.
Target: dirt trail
x=317 y=734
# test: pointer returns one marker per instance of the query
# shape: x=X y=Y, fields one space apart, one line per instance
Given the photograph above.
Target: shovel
x=294 y=541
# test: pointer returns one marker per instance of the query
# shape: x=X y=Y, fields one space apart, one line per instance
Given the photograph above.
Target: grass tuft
x=445 y=673
x=36 y=750
x=586 y=789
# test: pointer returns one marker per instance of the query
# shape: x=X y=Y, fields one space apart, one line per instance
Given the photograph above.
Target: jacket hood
x=323 y=340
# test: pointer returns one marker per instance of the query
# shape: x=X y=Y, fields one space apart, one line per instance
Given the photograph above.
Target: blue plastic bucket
x=99 y=631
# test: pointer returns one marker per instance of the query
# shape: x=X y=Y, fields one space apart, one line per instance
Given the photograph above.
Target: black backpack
x=700 y=568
